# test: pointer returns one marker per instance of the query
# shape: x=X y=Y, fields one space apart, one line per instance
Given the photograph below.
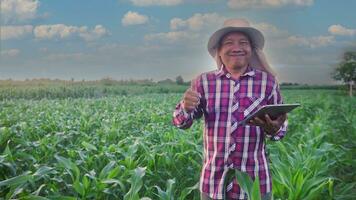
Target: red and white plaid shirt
x=224 y=103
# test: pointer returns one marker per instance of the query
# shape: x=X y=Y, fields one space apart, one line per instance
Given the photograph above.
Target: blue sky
x=159 y=39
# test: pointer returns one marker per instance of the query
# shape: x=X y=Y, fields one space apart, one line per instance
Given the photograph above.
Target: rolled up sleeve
x=181 y=118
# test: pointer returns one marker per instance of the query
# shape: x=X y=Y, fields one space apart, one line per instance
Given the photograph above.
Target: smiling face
x=235 y=50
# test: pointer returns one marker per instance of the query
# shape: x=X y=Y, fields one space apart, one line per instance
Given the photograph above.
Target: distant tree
x=107 y=81
x=346 y=71
x=179 y=80
x=165 y=81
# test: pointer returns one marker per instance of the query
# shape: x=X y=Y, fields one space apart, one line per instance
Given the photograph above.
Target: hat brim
x=255 y=36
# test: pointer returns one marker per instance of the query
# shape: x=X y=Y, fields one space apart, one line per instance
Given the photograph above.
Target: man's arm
x=276 y=98
x=191 y=107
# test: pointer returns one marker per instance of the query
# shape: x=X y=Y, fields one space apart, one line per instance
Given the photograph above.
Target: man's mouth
x=238 y=54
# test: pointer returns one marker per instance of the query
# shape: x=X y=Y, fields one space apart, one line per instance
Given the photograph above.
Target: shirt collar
x=250 y=71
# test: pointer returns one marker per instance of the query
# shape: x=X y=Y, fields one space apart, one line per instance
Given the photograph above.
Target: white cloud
x=55 y=31
x=98 y=32
x=61 y=31
x=15 y=32
x=177 y=23
x=198 y=22
x=251 y=4
x=192 y=29
x=133 y=18
x=313 y=42
x=156 y=2
x=66 y=56
x=341 y=30
x=10 y=52
x=170 y=37
x=19 y=10
x=269 y=30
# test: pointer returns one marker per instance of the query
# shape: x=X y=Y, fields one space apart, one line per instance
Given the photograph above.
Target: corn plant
x=92 y=142
x=247 y=185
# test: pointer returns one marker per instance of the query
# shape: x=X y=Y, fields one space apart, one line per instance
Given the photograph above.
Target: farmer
x=241 y=84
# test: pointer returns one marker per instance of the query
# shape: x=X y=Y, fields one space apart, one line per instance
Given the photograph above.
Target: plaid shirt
x=224 y=102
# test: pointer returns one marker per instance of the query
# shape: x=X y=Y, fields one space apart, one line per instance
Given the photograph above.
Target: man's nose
x=236 y=47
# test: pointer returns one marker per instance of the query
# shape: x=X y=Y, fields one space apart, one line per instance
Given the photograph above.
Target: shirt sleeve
x=183 y=119
x=276 y=98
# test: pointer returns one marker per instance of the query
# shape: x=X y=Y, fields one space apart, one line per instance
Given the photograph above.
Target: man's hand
x=268 y=125
x=191 y=100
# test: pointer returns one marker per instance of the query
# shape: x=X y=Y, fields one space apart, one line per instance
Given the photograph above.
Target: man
x=242 y=83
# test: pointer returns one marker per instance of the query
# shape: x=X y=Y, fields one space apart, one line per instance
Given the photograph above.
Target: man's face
x=235 y=50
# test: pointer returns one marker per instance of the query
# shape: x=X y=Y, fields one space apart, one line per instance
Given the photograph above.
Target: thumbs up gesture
x=191 y=98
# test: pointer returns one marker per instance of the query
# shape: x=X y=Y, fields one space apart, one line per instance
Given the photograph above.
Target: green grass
x=124 y=146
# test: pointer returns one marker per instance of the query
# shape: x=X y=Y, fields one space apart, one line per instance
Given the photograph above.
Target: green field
x=69 y=143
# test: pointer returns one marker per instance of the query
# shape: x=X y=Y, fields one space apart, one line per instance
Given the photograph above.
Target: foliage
x=346 y=71
x=179 y=80
x=124 y=147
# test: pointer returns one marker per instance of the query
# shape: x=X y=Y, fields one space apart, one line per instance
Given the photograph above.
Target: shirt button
x=228 y=75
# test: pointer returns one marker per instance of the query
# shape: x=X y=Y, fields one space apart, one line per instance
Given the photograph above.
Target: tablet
x=273 y=111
